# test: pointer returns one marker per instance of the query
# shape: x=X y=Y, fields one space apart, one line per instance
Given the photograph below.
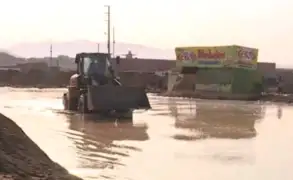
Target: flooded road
x=177 y=139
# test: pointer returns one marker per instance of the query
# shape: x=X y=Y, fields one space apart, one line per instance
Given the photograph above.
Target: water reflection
x=280 y=112
x=94 y=149
x=95 y=140
x=220 y=119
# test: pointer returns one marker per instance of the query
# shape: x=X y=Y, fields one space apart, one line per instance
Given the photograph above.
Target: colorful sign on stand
x=246 y=57
x=217 y=56
x=204 y=56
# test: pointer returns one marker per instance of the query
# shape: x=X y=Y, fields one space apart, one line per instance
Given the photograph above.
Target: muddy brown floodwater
x=177 y=139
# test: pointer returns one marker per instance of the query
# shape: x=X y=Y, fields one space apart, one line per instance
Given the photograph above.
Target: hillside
x=7 y=59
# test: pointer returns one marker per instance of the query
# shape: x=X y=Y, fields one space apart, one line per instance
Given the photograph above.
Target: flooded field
x=178 y=139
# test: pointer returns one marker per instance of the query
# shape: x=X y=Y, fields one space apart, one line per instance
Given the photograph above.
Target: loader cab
x=92 y=63
x=93 y=68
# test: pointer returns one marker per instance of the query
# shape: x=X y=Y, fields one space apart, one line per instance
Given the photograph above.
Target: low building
x=143 y=65
x=270 y=79
x=286 y=76
x=144 y=72
x=221 y=69
x=33 y=66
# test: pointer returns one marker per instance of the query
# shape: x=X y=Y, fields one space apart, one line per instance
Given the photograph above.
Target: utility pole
x=51 y=55
x=57 y=62
x=109 y=30
x=98 y=47
x=113 y=42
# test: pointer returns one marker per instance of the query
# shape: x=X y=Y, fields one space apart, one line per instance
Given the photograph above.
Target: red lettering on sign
x=200 y=54
x=210 y=55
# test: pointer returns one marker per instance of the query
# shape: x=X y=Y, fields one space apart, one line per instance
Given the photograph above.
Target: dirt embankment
x=21 y=158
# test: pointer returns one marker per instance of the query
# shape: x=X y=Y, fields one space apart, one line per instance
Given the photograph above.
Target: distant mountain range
x=6 y=59
x=70 y=48
x=18 y=53
x=21 y=53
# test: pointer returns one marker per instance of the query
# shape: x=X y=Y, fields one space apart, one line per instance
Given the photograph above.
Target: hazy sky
x=264 y=24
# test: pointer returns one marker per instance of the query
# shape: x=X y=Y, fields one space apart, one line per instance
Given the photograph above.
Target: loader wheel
x=65 y=102
x=69 y=104
x=72 y=104
x=82 y=104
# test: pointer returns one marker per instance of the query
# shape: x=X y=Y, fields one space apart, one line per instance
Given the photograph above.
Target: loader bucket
x=117 y=98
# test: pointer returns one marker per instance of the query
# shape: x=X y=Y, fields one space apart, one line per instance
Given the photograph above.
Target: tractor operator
x=100 y=71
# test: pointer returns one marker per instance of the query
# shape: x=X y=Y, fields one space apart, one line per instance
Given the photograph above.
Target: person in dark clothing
x=96 y=71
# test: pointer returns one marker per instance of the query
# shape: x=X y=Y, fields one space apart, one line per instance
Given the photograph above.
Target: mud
x=280 y=98
x=285 y=98
x=212 y=95
x=21 y=158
